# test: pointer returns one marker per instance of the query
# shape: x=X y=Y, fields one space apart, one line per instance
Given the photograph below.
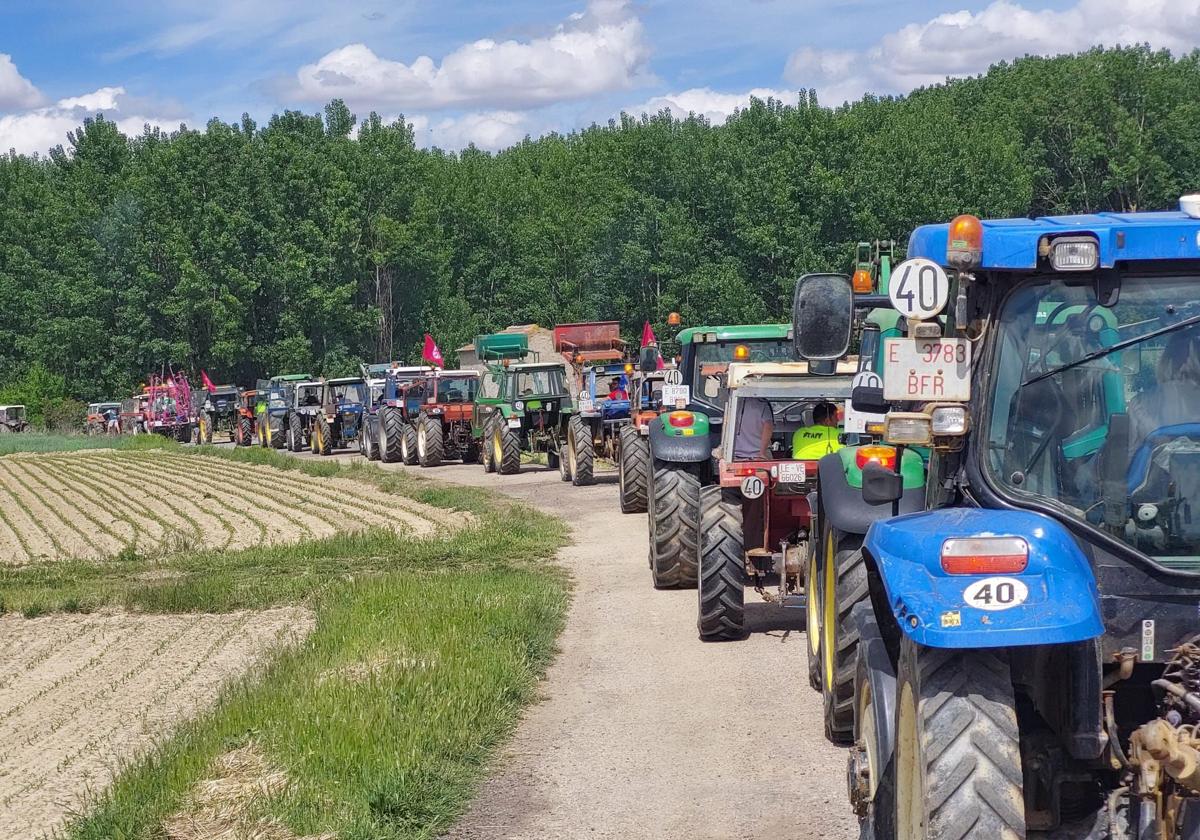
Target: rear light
x=681 y=419
x=861 y=283
x=985 y=555
x=964 y=242
x=884 y=456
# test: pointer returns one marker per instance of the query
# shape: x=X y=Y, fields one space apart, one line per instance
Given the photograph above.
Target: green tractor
x=688 y=429
x=275 y=402
x=522 y=407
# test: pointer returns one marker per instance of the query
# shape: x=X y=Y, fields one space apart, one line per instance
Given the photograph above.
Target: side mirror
x=648 y=359
x=868 y=400
x=824 y=367
x=881 y=486
x=822 y=315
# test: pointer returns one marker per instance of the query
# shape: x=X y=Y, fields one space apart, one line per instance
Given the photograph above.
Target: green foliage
x=247 y=250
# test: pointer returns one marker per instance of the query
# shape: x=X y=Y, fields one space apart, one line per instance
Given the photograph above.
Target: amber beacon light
x=964 y=242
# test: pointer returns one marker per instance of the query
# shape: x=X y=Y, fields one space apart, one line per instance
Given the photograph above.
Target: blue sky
x=486 y=72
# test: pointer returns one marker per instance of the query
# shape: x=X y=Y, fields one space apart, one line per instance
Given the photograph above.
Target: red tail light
x=985 y=555
x=680 y=419
x=885 y=456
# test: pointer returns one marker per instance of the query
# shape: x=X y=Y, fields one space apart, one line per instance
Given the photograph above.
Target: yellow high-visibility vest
x=812 y=443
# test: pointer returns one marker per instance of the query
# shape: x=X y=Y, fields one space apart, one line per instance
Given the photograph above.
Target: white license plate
x=514 y=422
x=674 y=394
x=927 y=369
x=586 y=406
x=792 y=473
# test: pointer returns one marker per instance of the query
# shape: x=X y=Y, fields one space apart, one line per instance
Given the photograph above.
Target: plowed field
x=95 y=504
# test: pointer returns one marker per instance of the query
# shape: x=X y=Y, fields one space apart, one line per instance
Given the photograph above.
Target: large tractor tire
x=276 y=432
x=322 y=436
x=486 y=451
x=721 y=576
x=206 y=428
x=245 y=431
x=843 y=585
x=408 y=445
x=563 y=460
x=958 y=750
x=430 y=441
x=674 y=511
x=370 y=442
x=634 y=468
x=582 y=451
x=295 y=432
x=812 y=612
x=506 y=448
x=391 y=435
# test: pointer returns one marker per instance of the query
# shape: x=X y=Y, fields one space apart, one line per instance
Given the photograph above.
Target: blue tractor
x=339 y=423
x=1022 y=653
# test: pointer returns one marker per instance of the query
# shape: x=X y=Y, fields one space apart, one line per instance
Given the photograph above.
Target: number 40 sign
x=919 y=288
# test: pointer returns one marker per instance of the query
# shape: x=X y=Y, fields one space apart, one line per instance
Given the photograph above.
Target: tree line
x=317 y=241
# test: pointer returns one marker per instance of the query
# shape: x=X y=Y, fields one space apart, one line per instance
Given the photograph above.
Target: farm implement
x=169 y=409
x=594 y=351
x=521 y=408
x=1021 y=654
x=339 y=422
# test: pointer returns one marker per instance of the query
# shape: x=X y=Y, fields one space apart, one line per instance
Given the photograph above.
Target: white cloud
x=964 y=43
x=39 y=129
x=713 y=105
x=600 y=49
x=15 y=90
x=490 y=130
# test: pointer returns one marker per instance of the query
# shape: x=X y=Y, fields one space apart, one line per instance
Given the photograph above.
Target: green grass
x=424 y=653
x=46 y=442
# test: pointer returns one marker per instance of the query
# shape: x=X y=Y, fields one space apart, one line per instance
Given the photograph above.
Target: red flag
x=208 y=383
x=648 y=335
x=431 y=353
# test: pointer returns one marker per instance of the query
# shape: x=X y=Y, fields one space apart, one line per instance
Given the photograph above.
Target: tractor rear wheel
x=958 y=747
x=430 y=441
x=843 y=585
x=721 y=576
x=812 y=612
x=634 y=464
x=582 y=451
x=674 y=508
x=370 y=442
x=322 y=436
x=295 y=440
x=275 y=432
x=408 y=445
x=506 y=448
x=486 y=451
x=391 y=434
x=206 y=428
x=245 y=431
x=564 y=463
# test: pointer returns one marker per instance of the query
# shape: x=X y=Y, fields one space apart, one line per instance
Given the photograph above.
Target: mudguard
x=679 y=449
x=875 y=666
x=1062 y=603
x=843 y=505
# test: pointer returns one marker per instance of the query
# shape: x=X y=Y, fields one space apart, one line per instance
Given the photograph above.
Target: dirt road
x=644 y=731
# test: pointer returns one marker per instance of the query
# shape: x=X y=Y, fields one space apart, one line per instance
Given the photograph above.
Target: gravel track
x=78 y=694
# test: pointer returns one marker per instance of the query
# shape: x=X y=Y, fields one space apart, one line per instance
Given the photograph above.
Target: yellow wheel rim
x=813 y=602
x=497 y=449
x=829 y=613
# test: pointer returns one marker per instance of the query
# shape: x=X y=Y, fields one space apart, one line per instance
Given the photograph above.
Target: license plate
x=514 y=422
x=586 y=406
x=927 y=369
x=672 y=395
x=792 y=473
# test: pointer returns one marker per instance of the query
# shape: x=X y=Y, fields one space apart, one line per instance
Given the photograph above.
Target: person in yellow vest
x=812 y=443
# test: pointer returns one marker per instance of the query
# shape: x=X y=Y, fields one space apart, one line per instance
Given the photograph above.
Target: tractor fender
x=843 y=505
x=1053 y=600
x=874 y=667
x=679 y=449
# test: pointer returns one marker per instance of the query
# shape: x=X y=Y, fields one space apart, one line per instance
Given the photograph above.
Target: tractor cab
x=13 y=419
x=1052 y=369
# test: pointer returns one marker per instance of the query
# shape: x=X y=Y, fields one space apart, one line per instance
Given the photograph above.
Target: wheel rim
x=422 y=446
x=571 y=452
x=812 y=599
x=870 y=737
x=829 y=613
x=497 y=448
x=910 y=792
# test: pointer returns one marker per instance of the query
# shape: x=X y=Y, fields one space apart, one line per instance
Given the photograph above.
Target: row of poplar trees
x=317 y=241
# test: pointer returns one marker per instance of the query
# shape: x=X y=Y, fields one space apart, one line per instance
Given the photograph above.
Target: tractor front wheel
x=370 y=442
x=295 y=432
x=322 y=438
x=486 y=451
x=275 y=432
x=408 y=445
x=206 y=428
x=582 y=451
x=391 y=435
x=506 y=448
x=563 y=458
x=430 y=441
x=721 y=574
x=843 y=585
x=674 y=509
x=958 y=747
x=245 y=431
x=634 y=464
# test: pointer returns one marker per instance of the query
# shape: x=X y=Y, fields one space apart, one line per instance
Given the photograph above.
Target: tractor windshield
x=711 y=360
x=1096 y=409
x=352 y=393
x=14 y=413
x=457 y=389
x=543 y=382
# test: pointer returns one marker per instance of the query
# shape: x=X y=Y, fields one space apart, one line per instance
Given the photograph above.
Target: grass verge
x=424 y=654
x=46 y=442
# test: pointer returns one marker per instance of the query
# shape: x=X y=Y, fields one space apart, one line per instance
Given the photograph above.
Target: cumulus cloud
x=39 y=129
x=15 y=90
x=490 y=130
x=714 y=106
x=599 y=49
x=964 y=43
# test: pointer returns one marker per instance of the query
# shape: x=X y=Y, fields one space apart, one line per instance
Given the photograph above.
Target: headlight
x=1074 y=253
x=913 y=428
x=519 y=405
x=949 y=420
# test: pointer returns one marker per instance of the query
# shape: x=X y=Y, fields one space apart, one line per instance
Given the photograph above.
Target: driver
x=1175 y=398
x=755 y=425
x=812 y=443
